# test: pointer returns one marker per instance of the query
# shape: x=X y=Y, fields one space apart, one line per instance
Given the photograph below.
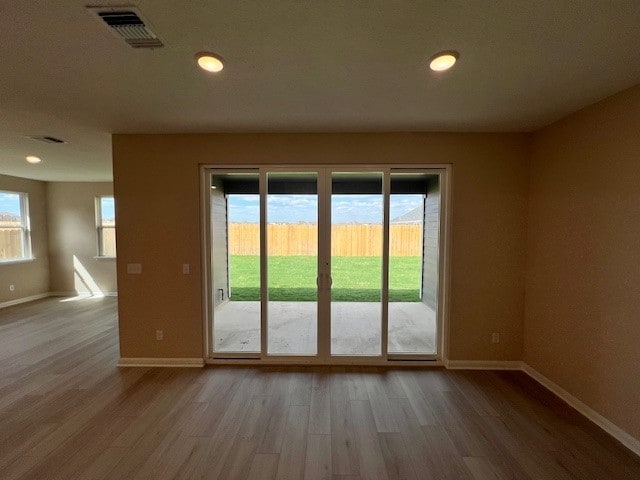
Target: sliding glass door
x=357 y=228
x=321 y=265
x=292 y=263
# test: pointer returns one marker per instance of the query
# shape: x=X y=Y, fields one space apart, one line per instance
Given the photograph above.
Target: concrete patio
x=355 y=328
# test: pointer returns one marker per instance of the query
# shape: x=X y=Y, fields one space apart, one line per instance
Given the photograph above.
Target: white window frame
x=25 y=226
x=100 y=227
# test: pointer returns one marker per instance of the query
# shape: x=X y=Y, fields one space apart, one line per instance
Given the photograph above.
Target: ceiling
x=294 y=65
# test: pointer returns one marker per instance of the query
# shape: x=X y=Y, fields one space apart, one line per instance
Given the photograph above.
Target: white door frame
x=323 y=356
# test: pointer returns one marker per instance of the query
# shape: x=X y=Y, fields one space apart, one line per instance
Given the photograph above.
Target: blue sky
x=108 y=208
x=10 y=203
x=304 y=208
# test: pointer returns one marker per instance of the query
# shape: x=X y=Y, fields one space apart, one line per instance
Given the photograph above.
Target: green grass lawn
x=355 y=279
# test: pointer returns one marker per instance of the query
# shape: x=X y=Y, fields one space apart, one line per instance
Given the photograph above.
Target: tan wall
x=156 y=180
x=582 y=325
x=73 y=239
x=31 y=277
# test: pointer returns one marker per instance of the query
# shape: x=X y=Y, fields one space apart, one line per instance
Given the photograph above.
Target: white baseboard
x=483 y=365
x=612 y=429
x=18 y=301
x=160 y=362
x=82 y=294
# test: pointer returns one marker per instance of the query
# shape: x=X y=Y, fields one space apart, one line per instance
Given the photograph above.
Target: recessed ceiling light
x=33 y=159
x=442 y=61
x=209 y=61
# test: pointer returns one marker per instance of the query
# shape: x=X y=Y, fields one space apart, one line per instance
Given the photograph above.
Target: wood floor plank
x=222 y=440
x=320 y=410
x=482 y=469
x=169 y=458
x=300 y=390
x=357 y=386
x=264 y=466
x=77 y=453
x=18 y=468
x=467 y=385
x=279 y=407
x=318 y=463
x=396 y=457
x=247 y=439
x=443 y=457
x=412 y=435
x=423 y=411
x=155 y=439
x=529 y=459
x=294 y=446
x=391 y=384
x=371 y=460
x=344 y=455
x=67 y=411
x=102 y=464
x=380 y=404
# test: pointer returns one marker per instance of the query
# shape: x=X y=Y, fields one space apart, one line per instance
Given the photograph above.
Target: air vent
x=128 y=24
x=46 y=139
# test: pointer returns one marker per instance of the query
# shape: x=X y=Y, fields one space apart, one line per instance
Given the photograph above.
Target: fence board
x=347 y=240
x=109 y=242
x=10 y=243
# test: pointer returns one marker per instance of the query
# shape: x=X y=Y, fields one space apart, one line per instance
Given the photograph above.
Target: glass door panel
x=414 y=226
x=356 y=263
x=323 y=263
x=235 y=261
x=292 y=263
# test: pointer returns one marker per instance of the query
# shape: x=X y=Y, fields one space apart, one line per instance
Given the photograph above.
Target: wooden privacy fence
x=347 y=240
x=10 y=243
x=109 y=242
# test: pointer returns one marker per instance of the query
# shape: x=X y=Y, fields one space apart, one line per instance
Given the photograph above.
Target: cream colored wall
x=582 y=326
x=156 y=181
x=32 y=277
x=73 y=239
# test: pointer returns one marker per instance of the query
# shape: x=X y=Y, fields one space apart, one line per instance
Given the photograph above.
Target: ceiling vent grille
x=128 y=24
x=46 y=139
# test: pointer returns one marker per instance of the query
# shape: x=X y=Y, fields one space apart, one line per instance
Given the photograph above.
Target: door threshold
x=319 y=363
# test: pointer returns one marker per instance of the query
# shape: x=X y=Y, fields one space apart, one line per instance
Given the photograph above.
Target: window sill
x=17 y=260
x=104 y=257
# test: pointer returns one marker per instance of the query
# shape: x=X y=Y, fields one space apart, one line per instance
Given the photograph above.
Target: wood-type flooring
x=68 y=412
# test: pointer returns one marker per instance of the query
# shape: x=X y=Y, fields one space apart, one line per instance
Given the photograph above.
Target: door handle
x=320 y=284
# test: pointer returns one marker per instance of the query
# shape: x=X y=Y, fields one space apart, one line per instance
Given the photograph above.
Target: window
x=15 y=235
x=106 y=225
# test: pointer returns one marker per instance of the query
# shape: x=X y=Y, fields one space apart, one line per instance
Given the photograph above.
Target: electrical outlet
x=12 y=287
x=159 y=335
x=134 y=268
x=186 y=269
x=495 y=338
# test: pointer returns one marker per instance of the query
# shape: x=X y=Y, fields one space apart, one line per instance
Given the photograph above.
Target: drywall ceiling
x=293 y=65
